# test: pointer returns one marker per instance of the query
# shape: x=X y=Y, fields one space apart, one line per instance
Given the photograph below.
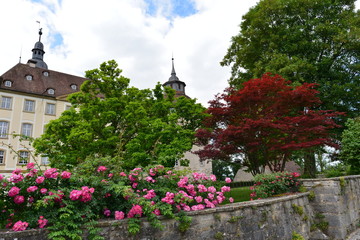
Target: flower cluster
x=118 y=195
x=267 y=185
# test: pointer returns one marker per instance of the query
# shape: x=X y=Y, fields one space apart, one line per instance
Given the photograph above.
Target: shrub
x=64 y=202
x=267 y=185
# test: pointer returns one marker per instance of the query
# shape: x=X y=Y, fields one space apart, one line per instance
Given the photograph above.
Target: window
x=46 y=74
x=29 y=77
x=6 y=102
x=45 y=160
x=4 y=129
x=50 y=109
x=67 y=107
x=73 y=86
x=23 y=157
x=51 y=91
x=26 y=129
x=29 y=106
x=7 y=83
x=2 y=156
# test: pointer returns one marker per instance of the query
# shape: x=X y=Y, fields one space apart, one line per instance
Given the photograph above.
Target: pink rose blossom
x=42 y=222
x=18 y=199
x=227 y=180
x=65 y=175
x=202 y=188
x=186 y=208
x=17 y=171
x=211 y=189
x=198 y=199
x=13 y=191
x=157 y=212
x=101 y=169
x=123 y=174
x=119 y=215
x=30 y=165
x=296 y=174
x=51 y=173
x=43 y=190
x=1 y=177
x=225 y=189
x=31 y=199
x=15 y=178
x=149 y=179
x=183 y=182
x=135 y=211
x=32 y=189
x=20 y=226
x=110 y=175
x=39 y=180
x=107 y=212
x=213 y=177
x=150 y=194
x=231 y=200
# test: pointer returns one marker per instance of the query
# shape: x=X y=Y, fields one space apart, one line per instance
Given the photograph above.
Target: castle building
x=30 y=96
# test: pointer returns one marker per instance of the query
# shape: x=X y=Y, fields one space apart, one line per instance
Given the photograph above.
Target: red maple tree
x=264 y=122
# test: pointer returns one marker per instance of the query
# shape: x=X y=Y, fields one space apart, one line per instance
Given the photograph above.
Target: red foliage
x=265 y=121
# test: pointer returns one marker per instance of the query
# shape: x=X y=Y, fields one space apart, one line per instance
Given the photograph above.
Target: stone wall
x=337 y=202
x=275 y=218
x=330 y=210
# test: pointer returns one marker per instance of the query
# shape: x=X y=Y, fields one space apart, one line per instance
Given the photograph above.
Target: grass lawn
x=240 y=194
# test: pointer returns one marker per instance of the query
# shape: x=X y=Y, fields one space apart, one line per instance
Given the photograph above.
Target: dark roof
x=39 y=85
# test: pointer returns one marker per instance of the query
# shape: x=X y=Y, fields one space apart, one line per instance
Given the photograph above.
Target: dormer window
x=73 y=86
x=29 y=77
x=7 y=83
x=46 y=74
x=51 y=91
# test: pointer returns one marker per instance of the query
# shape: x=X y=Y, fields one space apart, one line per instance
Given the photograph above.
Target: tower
x=38 y=54
x=175 y=83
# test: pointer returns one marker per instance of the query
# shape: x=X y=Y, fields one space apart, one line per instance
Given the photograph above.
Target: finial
x=173 y=68
x=40 y=33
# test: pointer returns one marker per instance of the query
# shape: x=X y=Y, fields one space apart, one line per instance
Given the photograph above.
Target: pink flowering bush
x=267 y=185
x=64 y=201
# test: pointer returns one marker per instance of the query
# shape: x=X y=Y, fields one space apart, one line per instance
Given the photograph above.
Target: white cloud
x=142 y=43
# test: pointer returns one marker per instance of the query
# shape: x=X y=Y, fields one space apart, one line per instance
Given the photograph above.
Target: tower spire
x=174 y=81
x=38 y=53
x=173 y=73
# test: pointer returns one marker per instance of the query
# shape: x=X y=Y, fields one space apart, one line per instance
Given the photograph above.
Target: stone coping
x=327 y=179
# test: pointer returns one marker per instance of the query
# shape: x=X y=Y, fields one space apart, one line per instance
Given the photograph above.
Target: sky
x=140 y=35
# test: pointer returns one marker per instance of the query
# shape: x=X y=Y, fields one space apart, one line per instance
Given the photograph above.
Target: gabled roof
x=60 y=82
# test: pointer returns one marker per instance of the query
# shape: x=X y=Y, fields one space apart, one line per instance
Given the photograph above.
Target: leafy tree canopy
x=314 y=41
x=264 y=123
x=350 y=145
x=109 y=118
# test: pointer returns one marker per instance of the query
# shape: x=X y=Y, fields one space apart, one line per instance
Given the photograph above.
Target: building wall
x=16 y=116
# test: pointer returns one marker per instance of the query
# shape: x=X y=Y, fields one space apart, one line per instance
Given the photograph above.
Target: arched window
x=51 y=91
x=29 y=77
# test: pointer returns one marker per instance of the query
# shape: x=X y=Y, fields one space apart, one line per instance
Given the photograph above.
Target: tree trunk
x=310 y=164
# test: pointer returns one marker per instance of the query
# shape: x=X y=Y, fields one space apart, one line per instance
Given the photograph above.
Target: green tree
x=110 y=119
x=350 y=145
x=314 y=41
